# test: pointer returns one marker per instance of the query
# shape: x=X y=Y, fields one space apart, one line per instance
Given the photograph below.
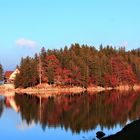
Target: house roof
x=8 y=74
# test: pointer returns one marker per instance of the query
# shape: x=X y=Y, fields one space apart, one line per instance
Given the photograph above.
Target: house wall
x=13 y=75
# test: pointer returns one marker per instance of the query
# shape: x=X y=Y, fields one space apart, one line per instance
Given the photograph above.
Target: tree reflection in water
x=80 y=113
x=1 y=106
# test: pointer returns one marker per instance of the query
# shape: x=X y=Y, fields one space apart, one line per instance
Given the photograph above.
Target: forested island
x=82 y=66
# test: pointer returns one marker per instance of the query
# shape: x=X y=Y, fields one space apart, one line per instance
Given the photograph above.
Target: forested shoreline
x=80 y=65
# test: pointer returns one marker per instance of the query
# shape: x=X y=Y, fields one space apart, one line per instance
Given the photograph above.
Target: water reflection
x=1 y=106
x=24 y=126
x=78 y=113
x=10 y=102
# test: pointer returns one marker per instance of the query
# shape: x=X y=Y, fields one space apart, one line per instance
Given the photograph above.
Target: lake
x=67 y=117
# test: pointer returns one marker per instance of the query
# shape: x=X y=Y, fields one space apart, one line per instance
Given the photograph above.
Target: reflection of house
x=10 y=103
x=10 y=76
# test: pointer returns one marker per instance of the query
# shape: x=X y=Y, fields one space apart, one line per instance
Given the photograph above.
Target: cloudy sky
x=27 y=25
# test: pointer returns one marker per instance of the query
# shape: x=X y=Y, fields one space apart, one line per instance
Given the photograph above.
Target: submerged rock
x=100 y=134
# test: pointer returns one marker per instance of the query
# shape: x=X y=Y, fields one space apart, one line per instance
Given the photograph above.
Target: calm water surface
x=66 y=118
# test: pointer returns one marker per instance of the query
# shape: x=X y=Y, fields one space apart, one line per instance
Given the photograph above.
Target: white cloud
x=22 y=42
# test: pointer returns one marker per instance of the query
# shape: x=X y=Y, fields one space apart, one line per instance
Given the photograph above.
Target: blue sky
x=27 y=25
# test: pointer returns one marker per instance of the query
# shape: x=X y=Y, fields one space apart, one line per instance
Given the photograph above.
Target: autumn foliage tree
x=122 y=72
x=52 y=67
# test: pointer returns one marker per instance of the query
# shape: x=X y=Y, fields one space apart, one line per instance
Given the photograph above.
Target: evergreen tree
x=43 y=65
x=28 y=75
x=1 y=73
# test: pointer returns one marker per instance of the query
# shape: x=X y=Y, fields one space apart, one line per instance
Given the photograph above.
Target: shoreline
x=45 y=90
x=48 y=90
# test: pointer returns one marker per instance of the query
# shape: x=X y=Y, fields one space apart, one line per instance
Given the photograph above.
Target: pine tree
x=43 y=65
x=1 y=73
x=28 y=75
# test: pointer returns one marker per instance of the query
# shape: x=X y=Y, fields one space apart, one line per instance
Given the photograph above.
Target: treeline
x=80 y=65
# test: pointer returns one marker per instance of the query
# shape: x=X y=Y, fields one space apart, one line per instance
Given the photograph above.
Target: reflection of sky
x=24 y=126
x=10 y=120
x=1 y=97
